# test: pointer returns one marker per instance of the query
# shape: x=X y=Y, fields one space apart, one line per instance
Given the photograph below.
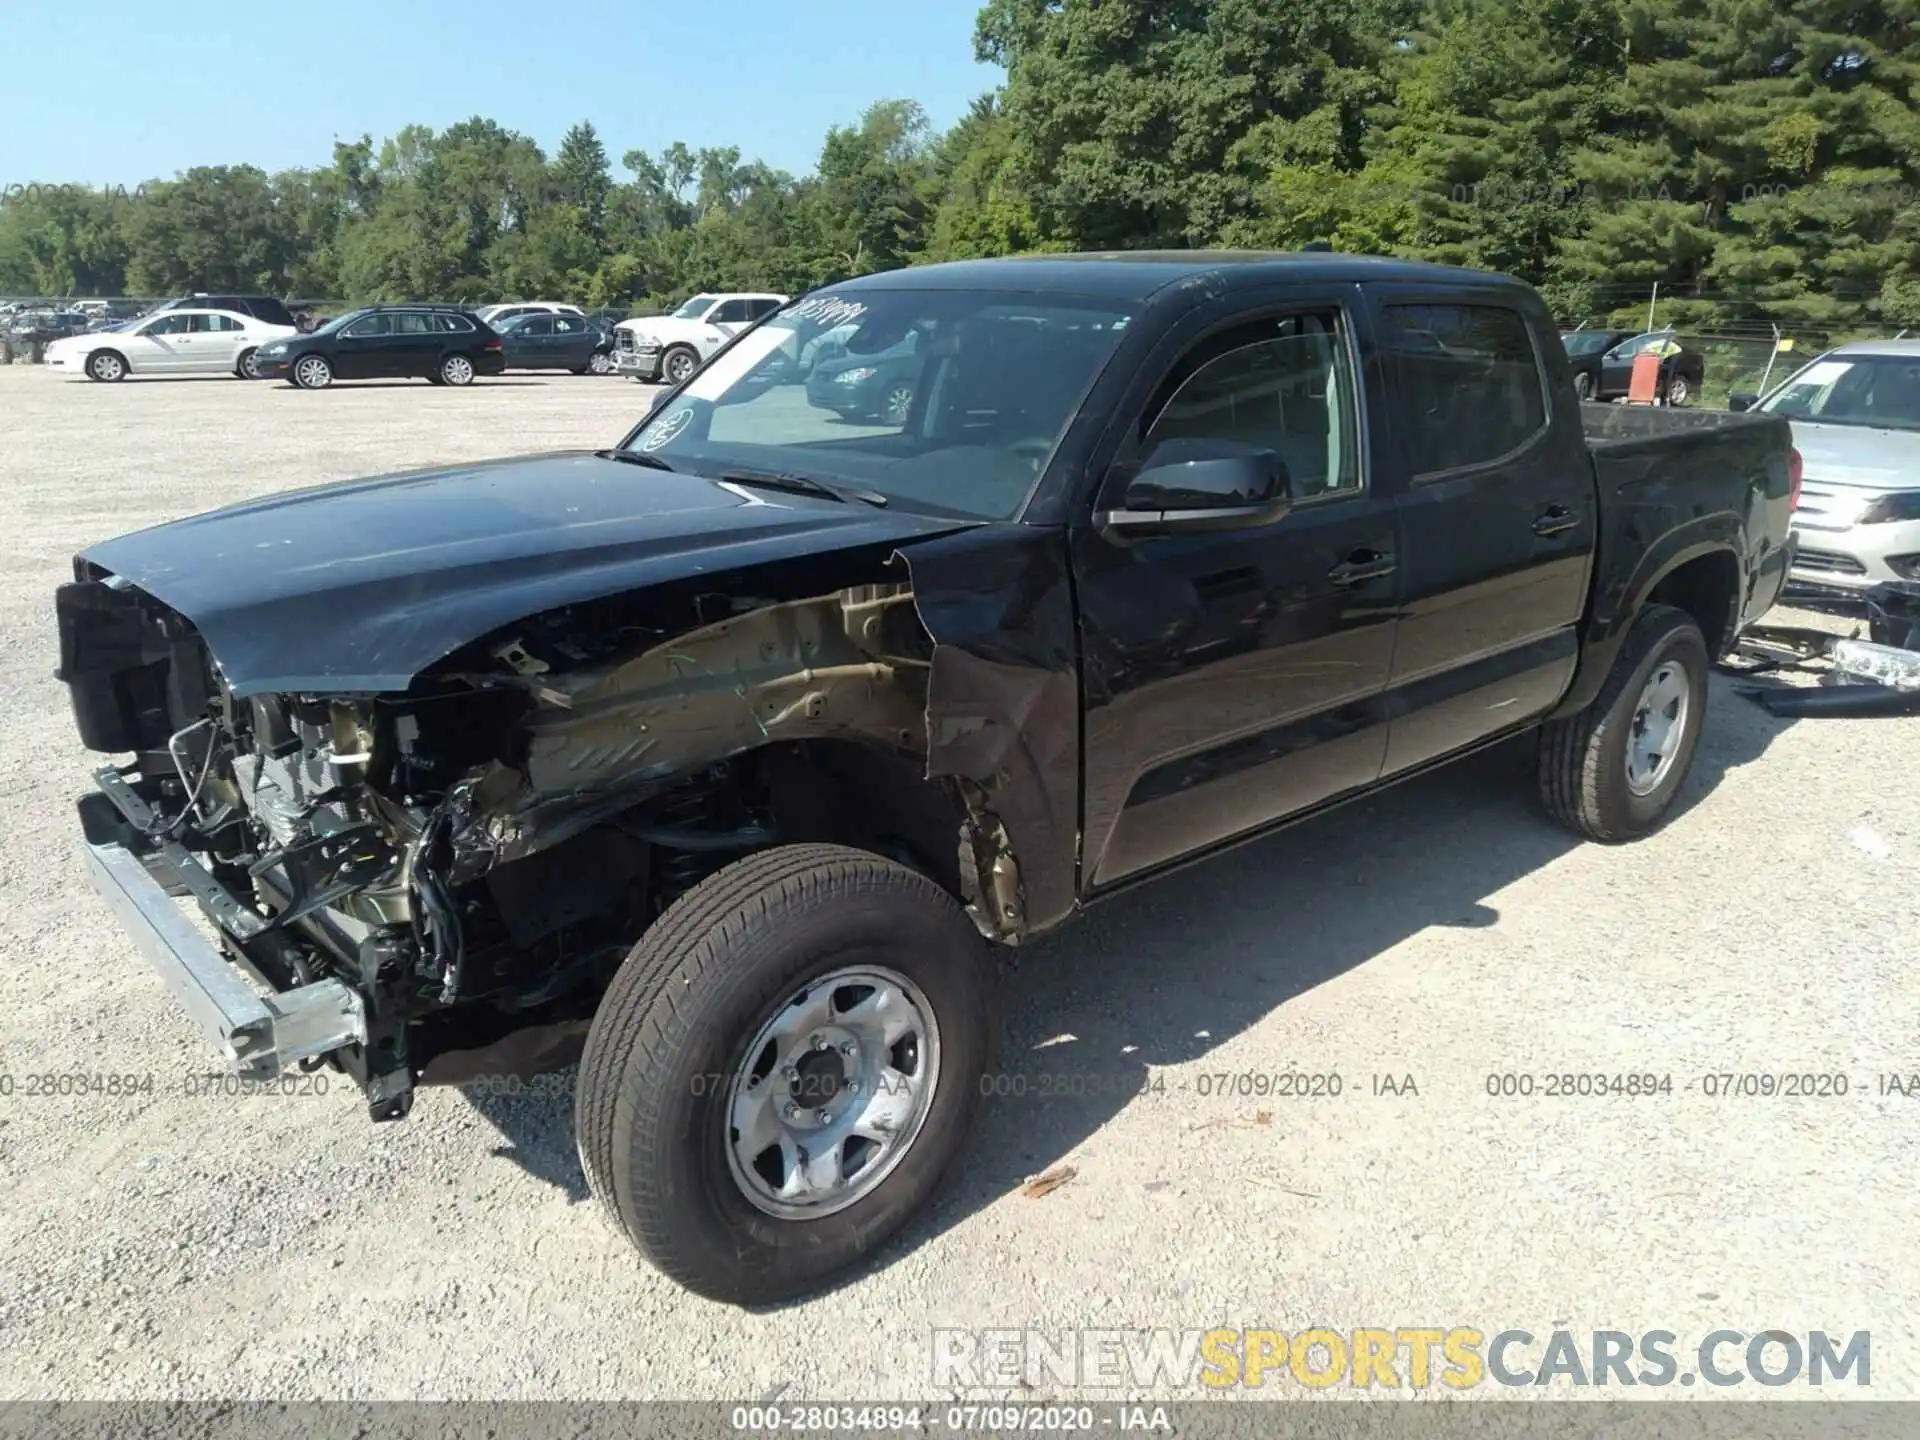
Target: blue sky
x=273 y=85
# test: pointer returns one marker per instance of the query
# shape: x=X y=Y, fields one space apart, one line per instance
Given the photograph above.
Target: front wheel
x=600 y=363
x=784 y=1068
x=106 y=366
x=1612 y=771
x=679 y=363
x=1679 y=391
x=1583 y=385
x=312 y=372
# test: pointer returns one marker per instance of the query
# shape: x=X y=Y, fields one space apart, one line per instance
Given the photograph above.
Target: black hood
x=360 y=586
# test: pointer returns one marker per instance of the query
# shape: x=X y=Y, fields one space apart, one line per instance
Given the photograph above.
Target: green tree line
x=1754 y=159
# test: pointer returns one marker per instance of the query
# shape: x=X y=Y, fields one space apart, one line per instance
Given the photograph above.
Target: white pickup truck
x=672 y=347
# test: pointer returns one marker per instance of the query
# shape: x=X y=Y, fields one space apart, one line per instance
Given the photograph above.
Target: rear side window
x=1468 y=381
x=757 y=308
x=729 y=312
x=456 y=324
x=415 y=324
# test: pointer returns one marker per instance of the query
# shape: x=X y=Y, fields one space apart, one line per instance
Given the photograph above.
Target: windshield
x=694 y=308
x=1585 y=342
x=339 y=322
x=1882 y=391
x=945 y=401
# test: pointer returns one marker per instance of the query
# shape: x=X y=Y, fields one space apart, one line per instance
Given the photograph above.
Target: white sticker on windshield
x=829 y=310
x=669 y=427
x=1823 y=372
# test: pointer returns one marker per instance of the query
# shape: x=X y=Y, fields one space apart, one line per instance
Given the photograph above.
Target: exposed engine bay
x=474 y=857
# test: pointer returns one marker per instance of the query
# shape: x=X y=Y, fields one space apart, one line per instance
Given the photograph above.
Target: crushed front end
x=435 y=884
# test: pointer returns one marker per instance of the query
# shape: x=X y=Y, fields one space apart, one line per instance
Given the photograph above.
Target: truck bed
x=1658 y=469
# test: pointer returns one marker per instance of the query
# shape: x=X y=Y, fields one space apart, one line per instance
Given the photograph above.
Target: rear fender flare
x=1616 y=603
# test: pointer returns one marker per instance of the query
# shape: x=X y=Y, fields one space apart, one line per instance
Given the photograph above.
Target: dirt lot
x=175 y=1243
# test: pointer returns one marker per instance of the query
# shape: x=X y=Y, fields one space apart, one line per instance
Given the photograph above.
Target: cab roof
x=1139 y=274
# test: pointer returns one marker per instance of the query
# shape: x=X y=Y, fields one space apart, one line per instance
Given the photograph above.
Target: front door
x=361 y=351
x=1498 y=517
x=158 y=346
x=1235 y=678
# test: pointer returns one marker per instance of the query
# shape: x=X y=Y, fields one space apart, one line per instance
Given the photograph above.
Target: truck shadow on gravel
x=1164 y=975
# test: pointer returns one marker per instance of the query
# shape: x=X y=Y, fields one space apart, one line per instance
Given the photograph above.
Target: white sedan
x=173 y=342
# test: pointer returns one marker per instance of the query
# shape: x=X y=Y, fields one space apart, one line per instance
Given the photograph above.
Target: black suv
x=264 y=308
x=444 y=344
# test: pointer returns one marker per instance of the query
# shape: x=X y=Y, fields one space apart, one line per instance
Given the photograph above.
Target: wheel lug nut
x=822 y=1116
x=853 y=1087
x=793 y=1076
x=846 y=1047
x=793 y=1112
x=817 y=1042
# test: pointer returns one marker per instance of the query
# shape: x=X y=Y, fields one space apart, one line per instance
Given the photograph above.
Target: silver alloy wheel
x=599 y=364
x=1659 y=727
x=832 y=1093
x=313 y=372
x=1678 y=391
x=250 y=365
x=456 y=370
x=899 y=403
x=680 y=364
x=106 y=366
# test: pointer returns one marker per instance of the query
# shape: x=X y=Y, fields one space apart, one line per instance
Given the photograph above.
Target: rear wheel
x=248 y=365
x=1583 y=385
x=456 y=370
x=1612 y=771
x=784 y=1068
x=106 y=366
x=312 y=372
x=899 y=404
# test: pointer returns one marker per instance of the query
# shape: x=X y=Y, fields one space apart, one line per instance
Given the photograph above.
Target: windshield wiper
x=804 y=485
x=635 y=457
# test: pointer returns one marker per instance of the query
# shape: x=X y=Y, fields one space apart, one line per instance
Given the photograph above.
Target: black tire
x=242 y=366
x=107 y=366
x=690 y=999
x=683 y=359
x=311 y=372
x=1583 y=385
x=1583 y=758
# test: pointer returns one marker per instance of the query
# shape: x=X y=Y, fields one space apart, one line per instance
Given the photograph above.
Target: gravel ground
x=171 y=1244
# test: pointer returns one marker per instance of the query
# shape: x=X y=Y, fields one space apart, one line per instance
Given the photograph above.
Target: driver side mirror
x=1193 y=486
x=654 y=399
x=1742 y=402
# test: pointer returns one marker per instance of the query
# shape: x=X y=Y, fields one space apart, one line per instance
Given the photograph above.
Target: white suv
x=672 y=347
x=493 y=314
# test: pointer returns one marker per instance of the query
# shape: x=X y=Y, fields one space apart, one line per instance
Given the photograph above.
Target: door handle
x=1555 y=519
x=1360 y=566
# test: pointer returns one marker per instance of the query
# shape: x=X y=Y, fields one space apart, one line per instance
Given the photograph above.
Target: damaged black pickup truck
x=723 y=753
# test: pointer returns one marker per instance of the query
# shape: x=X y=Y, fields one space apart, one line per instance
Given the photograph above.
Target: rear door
x=1238 y=677
x=1497 y=516
x=724 y=321
x=215 y=341
x=415 y=342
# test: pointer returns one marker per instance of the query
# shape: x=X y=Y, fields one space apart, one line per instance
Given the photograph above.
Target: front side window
x=368 y=327
x=694 y=308
x=169 y=325
x=949 y=402
x=1468 y=381
x=1284 y=385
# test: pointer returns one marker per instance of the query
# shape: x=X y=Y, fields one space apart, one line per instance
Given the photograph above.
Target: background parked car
x=513 y=309
x=172 y=342
x=1682 y=371
x=262 y=307
x=1584 y=349
x=672 y=347
x=442 y=344
x=1856 y=422
x=878 y=387
x=543 y=341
